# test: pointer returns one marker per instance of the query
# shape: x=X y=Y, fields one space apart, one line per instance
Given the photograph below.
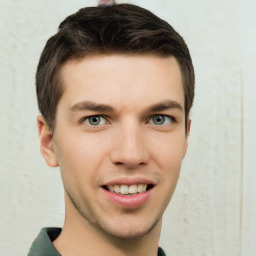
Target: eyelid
x=170 y=117
x=86 y=118
x=107 y=121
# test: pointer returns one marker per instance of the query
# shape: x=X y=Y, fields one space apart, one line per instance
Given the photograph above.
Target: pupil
x=159 y=119
x=94 y=120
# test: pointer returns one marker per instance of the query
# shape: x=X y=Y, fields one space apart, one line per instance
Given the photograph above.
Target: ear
x=187 y=136
x=46 y=142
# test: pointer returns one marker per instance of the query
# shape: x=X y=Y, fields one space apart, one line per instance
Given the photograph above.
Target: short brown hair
x=121 y=28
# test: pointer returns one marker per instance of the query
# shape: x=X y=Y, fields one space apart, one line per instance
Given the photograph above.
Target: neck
x=80 y=237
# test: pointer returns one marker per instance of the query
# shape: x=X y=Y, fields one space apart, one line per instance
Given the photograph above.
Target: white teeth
x=117 y=189
x=111 y=188
x=125 y=189
x=133 y=189
x=140 y=188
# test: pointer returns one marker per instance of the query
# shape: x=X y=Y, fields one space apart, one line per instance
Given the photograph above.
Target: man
x=115 y=86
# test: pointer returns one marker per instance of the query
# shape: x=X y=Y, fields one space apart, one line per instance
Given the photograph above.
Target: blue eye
x=95 y=120
x=160 y=120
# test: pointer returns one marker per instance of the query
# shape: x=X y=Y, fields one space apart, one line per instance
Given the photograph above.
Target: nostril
x=119 y=163
x=129 y=152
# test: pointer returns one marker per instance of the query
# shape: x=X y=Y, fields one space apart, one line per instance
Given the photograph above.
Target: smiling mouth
x=124 y=189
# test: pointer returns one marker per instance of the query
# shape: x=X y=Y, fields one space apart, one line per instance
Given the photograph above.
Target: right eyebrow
x=92 y=106
x=167 y=104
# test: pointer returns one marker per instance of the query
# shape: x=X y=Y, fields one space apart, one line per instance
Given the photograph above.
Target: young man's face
x=120 y=126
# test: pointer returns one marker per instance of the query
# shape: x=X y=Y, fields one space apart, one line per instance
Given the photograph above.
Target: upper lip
x=130 y=181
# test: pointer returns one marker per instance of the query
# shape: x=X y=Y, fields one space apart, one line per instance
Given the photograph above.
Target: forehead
x=130 y=80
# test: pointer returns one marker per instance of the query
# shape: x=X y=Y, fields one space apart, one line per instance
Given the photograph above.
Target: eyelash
x=172 y=119
x=84 y=119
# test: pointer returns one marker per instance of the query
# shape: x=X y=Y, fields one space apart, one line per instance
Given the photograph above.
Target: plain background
x=214 y=207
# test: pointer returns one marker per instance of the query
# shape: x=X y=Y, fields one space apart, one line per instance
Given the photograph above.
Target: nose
x=130 y=147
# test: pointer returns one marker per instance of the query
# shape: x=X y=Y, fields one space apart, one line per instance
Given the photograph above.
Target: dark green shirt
x=43 y=246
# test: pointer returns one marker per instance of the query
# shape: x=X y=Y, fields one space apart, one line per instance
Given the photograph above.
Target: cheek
x=72 y=168
x=168 y=151
x=79 y=158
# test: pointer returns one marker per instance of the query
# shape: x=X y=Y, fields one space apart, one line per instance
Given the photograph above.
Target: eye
x=160 y=120
x=94 y=120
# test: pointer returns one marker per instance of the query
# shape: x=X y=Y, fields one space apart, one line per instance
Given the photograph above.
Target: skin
x=128 y=143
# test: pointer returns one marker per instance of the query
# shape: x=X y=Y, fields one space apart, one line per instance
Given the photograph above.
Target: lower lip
x=128 y=201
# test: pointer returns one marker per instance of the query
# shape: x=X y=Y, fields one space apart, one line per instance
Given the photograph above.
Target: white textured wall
x=213 y=211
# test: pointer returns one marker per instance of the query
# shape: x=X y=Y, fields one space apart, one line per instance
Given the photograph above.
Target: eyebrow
x=89 y=105
x=168 y=104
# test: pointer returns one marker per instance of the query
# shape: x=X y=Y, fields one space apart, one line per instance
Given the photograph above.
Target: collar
x=43 y=244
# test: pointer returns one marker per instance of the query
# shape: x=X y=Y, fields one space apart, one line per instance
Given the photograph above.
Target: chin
x=127 y=231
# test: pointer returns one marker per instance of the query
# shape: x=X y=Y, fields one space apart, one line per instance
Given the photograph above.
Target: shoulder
x=43 y=245
x=160 y=252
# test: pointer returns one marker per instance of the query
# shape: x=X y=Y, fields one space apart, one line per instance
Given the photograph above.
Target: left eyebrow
x=168 y=104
